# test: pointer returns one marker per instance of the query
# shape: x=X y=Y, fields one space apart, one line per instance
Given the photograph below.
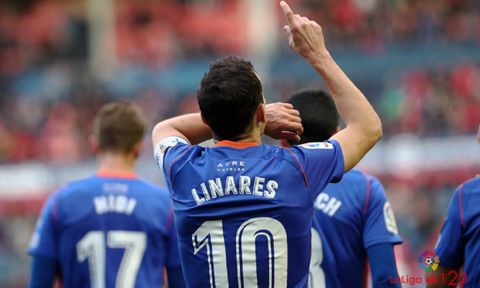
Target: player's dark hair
x=228 y=97
x=118 y=127
x=319 y=115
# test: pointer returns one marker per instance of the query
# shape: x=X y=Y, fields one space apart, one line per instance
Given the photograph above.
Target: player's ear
x=136 y=149
x=260 y=114
x=203 y=119
x=93 y=143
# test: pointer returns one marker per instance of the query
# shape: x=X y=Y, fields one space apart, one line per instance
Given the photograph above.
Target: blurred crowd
x=48 y=95
x=371 y=24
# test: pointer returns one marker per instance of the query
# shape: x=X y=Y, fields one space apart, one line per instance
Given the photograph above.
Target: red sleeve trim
x=299 y=164
x=367 y=193
x=460 y=206
x=170 y=216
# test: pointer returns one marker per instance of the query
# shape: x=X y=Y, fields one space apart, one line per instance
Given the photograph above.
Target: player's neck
x=253 y=136
x=116 y=163
x=244 y=139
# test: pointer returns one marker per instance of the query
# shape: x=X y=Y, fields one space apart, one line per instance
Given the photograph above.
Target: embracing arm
x=363 y=127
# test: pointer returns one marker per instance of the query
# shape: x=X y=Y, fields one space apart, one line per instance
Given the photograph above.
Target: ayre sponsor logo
x=232 y=165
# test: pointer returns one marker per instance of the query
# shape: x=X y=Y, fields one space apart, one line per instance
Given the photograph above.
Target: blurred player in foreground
x=243 y=210
x=353 y=220
x=111 y=229
x=458 y=245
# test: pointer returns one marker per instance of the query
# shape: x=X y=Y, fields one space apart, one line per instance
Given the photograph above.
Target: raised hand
x=283 y=121
x=304 y=35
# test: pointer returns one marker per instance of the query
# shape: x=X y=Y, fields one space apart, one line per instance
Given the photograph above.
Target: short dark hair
x=319 y=115
x=228 y=97
x=118 y=127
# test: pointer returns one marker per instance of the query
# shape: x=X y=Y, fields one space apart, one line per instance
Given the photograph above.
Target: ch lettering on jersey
x=114 y=204
x=243 y=185
x=327 y=204
x=231 y=166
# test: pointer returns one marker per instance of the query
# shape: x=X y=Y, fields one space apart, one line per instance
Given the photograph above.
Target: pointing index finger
x=287 y=11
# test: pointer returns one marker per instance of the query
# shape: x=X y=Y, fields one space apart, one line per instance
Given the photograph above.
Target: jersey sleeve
x=450 y=246
x=167 y=152
x=320 y=162
x=162 y=149
x=44 y=238
x=173 y=254
x=380 y=226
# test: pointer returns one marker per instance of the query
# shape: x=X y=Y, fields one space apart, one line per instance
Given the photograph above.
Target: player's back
x=349 y=217
x=469 y=203
x=108 y=231
x=244 y=216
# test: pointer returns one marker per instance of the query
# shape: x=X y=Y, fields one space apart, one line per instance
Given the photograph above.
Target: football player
x=111 y=229
x=353 y=222
x=243 y=210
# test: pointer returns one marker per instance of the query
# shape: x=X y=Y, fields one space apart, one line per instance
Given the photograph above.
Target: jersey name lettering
x=329 y=205
x=219 y=187
x=114 y=203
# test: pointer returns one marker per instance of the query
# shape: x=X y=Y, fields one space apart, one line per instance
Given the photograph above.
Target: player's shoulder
x=290 y=155
x=369 y=188
x=358 y=179
x=471 y=184
x=359 y=176
x=469 y=187
x=148 y=188
x=181 y=153
x=82 y=184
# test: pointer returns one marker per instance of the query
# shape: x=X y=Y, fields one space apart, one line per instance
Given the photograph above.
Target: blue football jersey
x=459 y=241
x=349 y=217
x=108 y=231
x=243 y=212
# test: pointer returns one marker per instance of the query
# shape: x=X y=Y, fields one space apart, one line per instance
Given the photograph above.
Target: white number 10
x=92 y=247
x=316 y=277
x=210 y=236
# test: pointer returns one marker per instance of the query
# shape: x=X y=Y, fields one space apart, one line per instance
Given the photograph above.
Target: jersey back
x=108 y=232
x=349 y=217
x=243 y=214
x=459 y=241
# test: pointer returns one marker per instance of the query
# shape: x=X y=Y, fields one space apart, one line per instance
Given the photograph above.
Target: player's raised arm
x=363 y=128
x=189 y=127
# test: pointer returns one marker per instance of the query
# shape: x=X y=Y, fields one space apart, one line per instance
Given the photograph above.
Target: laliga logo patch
x=389 y=217
x=428 y=261
x=317 y=145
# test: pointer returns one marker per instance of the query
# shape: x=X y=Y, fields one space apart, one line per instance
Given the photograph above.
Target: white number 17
x=92 y=247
